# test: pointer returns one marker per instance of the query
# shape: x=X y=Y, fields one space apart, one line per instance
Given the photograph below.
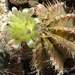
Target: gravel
x=3 y=11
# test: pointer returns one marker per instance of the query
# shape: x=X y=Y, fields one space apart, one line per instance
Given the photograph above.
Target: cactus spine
x=57 y=36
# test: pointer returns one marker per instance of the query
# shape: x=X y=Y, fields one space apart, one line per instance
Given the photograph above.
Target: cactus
x=21 y=27
x=56 y=41
x=21 y=2
x=21 y=30
x=18 y=2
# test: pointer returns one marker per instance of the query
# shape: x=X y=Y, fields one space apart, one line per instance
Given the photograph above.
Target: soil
x=3 y=11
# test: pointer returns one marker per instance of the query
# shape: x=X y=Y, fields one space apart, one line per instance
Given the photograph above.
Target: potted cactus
x=46 y=39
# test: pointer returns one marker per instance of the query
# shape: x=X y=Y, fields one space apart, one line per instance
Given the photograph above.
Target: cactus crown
x=21 y=26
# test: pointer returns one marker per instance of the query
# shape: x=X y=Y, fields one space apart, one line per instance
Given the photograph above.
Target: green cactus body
x=21 y=27
x=57 y=36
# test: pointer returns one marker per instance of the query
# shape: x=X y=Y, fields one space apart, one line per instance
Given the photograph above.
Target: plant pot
x=8 y=5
